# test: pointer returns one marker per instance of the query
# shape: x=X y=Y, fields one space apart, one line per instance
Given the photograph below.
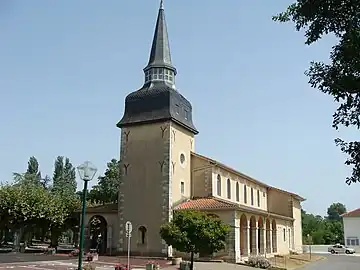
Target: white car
x=338 y=249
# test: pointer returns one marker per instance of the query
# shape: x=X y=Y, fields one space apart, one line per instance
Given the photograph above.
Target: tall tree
x=32 y=174
x=335 y=211
x=64 y=177
x=107 y=189
x=340 y=78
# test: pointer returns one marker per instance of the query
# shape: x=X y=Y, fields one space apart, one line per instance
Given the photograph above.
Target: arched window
x=252 y=196
x=245 y=194
x=258 y=198
x=237 y=192
x=142 y=234
x=228 y=187
x=218 y=185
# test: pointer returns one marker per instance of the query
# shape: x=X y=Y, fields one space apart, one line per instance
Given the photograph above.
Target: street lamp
x=86 y=172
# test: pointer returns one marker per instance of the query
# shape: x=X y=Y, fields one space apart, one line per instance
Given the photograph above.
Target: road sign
x=128 y=227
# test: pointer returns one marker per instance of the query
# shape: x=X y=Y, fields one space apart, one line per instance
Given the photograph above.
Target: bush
x=89 y=267
x=259 y=262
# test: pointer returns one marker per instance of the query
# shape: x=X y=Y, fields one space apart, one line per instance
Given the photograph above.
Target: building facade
x=162 y=173
x=351 y=221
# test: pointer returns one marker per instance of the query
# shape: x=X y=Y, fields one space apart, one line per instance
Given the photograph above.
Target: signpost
x=128 y=229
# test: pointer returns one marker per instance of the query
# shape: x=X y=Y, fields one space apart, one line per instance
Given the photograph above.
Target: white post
x=128 y=227
x=128 y=255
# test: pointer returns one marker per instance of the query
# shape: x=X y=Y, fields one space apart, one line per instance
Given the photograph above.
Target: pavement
x=332 y=262
x=335 y=262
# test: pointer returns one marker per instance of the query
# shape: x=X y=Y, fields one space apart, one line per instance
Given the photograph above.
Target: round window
x=182 y=158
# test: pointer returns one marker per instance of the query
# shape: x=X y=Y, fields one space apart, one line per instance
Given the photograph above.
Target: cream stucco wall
x=151 y=181
x=280 y=203
x=284 y=235
x=201 y=175
x=297 y=226
x=144 y=162
x=259 y=192
x=182 y=143
x=351 y=228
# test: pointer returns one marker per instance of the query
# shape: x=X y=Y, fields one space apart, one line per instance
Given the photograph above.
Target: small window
x=182 y=187
x=258 y=198
x=142 y=232
x=252 y=196
x=245 y=194
x=237 y=192
x=284 y=232
x=228 y=184
x=264 y=194
x=186 y=114
x=177 y=108
x=218 y=185
x=182 y=158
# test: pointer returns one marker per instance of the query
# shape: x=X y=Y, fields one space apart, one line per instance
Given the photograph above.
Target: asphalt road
x=336 y=262
x=29 y=257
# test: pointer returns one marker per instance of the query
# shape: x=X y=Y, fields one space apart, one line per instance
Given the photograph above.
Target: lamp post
x=86 y=172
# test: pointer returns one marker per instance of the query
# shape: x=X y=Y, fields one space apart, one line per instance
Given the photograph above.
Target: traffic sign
x=128 y=227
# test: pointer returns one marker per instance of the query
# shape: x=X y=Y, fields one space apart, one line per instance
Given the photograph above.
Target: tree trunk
x=192 y=261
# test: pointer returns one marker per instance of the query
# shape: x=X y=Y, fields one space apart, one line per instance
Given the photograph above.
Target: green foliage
x=328 y=230
x=335 y=211
x=340 y=78
x=107 y=189
x=64 y=177
x=195 y=232
x=28 y=203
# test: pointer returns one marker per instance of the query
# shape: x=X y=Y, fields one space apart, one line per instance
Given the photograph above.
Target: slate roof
x=354 y=213
x=158 y=101
x=160 y=55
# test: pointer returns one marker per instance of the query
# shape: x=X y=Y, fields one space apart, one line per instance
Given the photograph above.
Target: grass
x=294 y=261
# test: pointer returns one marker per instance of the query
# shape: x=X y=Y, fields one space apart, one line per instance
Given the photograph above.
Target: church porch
x=252 y=232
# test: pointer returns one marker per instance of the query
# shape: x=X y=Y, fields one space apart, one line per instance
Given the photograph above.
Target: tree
x=327 y=230
x=335 y=211
x=341 y=77
x=64 y=177
x=107 y=189
x=195 y=232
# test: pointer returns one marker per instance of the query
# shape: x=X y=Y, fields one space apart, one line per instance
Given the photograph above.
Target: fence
x=322 y=249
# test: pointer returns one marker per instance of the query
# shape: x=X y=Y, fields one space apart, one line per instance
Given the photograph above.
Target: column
x=271 y=240
x=109 y=240
x=263 y=241
x=255 y=240
x=247 y=243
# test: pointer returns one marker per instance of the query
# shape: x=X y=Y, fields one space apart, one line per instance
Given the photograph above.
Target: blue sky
x=66 y=67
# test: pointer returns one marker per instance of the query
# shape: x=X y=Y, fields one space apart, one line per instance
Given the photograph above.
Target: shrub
x=259 y=262
x=89 y=267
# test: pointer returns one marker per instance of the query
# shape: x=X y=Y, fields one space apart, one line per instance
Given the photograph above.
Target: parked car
x=337 y=249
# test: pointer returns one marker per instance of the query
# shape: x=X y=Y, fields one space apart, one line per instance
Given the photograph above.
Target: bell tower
x=157 y=137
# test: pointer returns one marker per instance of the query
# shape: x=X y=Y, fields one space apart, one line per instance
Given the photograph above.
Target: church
x=161 y=173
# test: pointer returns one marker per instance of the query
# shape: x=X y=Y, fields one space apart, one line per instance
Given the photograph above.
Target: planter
x=176 y=261
x=150 y=266
x=185 y=266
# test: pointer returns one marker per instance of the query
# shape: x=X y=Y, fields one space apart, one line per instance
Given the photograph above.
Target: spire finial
x=161 y=4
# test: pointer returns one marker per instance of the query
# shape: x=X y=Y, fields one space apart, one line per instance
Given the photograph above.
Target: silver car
x=338 y=249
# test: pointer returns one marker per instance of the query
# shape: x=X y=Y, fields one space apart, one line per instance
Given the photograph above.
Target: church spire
x=159 y=67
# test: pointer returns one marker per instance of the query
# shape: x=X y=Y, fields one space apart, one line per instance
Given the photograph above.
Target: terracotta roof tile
x=205 y=204
x=354 y=213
